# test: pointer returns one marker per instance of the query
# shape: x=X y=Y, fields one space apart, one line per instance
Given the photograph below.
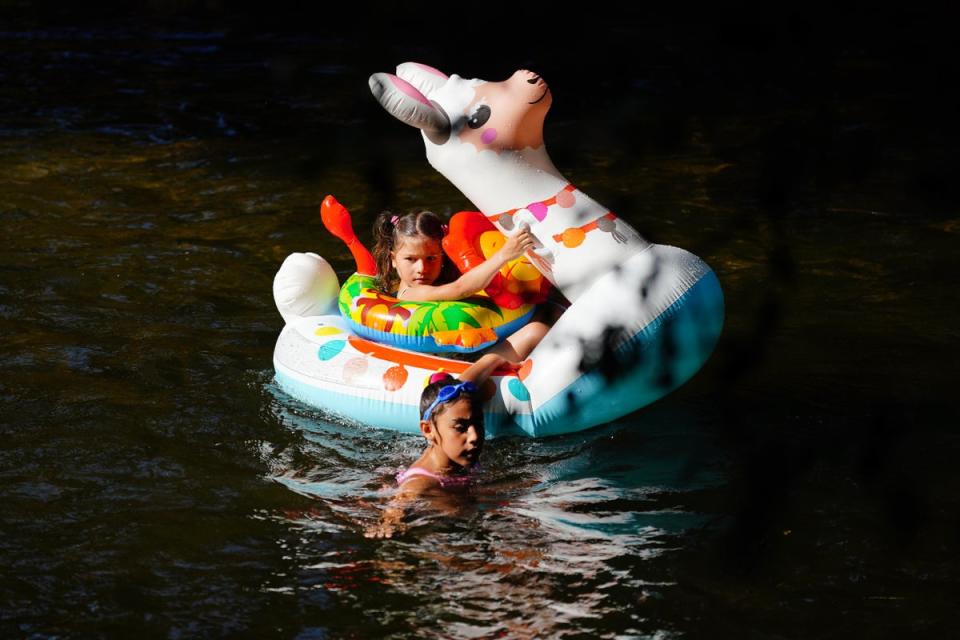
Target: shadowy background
x=175 y=152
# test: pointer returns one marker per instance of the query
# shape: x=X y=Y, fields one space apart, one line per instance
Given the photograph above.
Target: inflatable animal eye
x=479 y=117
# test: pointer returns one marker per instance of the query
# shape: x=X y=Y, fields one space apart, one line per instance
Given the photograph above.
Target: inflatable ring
x=643 y=318
x=461 y=326
x=320 y=361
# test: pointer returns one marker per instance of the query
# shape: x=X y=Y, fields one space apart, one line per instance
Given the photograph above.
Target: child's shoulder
x=417 y=479
x=420 y=484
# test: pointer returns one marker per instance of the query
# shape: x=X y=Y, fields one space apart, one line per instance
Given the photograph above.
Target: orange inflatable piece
x=336 y=219
x=472 y=239
x=403 y=357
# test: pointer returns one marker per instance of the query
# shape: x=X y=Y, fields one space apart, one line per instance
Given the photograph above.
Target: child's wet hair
x=431 y=391
x=388 y=232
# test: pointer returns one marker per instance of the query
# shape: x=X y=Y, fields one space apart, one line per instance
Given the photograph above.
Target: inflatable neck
x=578 y=239
x=497 y=181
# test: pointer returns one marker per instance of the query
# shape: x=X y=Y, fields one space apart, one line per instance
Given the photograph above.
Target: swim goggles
x=447 y=394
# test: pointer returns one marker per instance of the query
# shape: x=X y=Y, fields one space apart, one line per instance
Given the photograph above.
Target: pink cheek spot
x=488 y=135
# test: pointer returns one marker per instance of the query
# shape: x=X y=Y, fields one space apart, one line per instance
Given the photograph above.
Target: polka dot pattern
x=538 y=209
x=331 y=349
x=566 y=199
x=518 y=390
x=395 y=377
x=354 y=369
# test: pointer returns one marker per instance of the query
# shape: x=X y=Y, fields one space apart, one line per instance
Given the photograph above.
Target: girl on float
x=411 y=261
x=451 y=419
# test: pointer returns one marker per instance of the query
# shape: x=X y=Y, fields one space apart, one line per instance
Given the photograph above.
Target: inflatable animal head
x=487 y=139
x=493 y=116
x=475 y=131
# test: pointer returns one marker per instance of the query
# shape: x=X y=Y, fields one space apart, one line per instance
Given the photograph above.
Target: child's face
x=418 y=260
x=459 y=432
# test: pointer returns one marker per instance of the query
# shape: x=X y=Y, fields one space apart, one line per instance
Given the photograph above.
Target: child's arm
x=477 y=278
x=480 y=370
x=391 y=521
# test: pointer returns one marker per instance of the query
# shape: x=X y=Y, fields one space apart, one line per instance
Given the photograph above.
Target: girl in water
x=451 y=419
x=411 y=261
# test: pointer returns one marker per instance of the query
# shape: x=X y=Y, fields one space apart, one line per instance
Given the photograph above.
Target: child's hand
x=391 y=522
x=383 y=530
x=517 y=244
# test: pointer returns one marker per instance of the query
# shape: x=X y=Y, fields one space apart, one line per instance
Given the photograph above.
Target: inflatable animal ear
x=406 y=103
x=424 y=77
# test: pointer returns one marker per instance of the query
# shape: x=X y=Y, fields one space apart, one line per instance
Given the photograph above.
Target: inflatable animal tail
x=336 y=219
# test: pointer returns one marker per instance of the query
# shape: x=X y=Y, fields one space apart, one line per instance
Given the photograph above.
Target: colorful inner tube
x=461 y=326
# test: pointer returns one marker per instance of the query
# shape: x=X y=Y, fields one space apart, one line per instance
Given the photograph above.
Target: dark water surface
x=154 y=481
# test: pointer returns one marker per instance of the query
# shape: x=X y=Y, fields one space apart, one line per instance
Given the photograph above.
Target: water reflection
x=153 y=483
x=556 y=538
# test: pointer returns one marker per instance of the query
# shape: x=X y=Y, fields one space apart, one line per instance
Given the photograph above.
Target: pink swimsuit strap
x=445 y=481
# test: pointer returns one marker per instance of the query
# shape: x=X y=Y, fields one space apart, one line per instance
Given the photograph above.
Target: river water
x=154 y=480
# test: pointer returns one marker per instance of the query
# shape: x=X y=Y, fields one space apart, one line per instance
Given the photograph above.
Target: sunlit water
x=154 y=480
x=556 y=535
